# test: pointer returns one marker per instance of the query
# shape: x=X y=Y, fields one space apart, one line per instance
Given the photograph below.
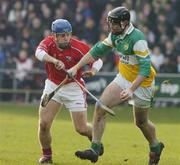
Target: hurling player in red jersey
x=61 y=50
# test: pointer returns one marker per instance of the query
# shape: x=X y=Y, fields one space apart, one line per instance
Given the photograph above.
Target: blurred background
x=24 y=23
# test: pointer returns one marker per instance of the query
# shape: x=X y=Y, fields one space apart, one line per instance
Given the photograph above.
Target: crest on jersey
x=117 y=41
x=68 y=58
x=126 y=46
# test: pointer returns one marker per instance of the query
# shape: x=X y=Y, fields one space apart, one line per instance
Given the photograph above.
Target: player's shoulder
x=78 y=43
x=79 y=46
x=48 y=40
x=137 y=34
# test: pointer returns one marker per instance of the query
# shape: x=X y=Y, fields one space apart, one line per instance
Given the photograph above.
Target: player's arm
x=42 y=55
x=142 y=53
x=96 y=66
x=97 y=51
x=145 y=67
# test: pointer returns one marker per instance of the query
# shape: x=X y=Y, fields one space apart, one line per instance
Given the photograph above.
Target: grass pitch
x=124 y=143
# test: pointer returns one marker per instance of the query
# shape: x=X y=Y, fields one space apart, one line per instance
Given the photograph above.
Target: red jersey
x=69 y=56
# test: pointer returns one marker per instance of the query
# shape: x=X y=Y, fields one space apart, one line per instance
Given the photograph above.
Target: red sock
x=47 y=152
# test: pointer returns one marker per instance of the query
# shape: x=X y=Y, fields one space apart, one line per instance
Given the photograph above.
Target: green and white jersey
x=133 y=51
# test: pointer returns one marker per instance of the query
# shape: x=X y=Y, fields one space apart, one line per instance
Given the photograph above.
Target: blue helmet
x=61 y=26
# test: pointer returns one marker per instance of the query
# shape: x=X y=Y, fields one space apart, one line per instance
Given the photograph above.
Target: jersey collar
x=128 y=31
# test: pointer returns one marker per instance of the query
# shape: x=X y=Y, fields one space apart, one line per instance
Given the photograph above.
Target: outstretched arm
x=84 y=60
x=97 y=51
x=88 y=58
x=96 y=66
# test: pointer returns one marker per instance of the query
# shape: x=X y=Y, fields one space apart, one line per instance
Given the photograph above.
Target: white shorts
x=142 y=95
x=71 y=95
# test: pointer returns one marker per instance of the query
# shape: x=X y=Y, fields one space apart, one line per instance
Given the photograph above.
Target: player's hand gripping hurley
x=107 y=109
x=47 y=97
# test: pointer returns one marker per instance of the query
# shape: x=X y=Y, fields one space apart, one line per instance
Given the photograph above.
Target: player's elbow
x=39 y=54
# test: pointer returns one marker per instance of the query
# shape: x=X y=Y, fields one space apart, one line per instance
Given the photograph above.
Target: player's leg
x=110 y=97
x=148 y=130
x=46 y=117
x=145 y=125
x=74 y=99
x=80 y=123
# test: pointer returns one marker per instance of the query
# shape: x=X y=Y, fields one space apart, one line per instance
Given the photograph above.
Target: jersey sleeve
x=101 y=48
x=44 y=45
x=142 y=53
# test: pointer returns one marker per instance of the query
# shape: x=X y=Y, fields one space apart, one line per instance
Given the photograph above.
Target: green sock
x=155 y=148
x=96 y=147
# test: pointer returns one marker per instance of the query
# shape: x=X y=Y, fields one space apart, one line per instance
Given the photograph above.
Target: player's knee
x=98 y=105
x=99 y=110
x=140 y=123
x=44 y=126
x=82 y=130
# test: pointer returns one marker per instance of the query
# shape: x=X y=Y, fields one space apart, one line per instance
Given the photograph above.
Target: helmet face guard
x=113 y=20
x=117 y=17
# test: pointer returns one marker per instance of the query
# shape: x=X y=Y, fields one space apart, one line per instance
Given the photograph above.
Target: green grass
x=124 y=143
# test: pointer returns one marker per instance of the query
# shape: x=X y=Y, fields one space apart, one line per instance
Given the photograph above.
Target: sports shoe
x=87 y=155
x=90 y=154
x=101 y=149
x=154 y=157
x=45 y=160
x=101 y=152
